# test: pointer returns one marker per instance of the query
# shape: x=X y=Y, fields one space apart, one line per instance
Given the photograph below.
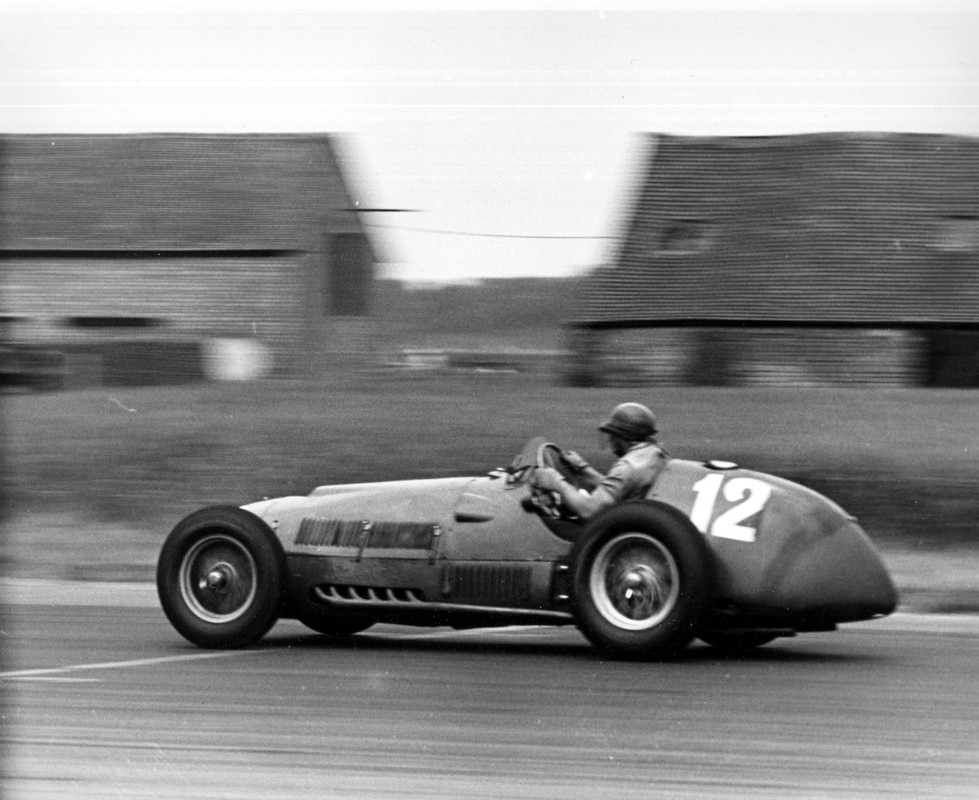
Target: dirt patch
x=58 y=546
x=945 y=581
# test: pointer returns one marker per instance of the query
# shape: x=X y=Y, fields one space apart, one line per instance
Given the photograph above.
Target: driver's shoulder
x=642 y=454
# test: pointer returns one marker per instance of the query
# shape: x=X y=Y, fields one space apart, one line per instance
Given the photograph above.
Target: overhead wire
x=479 y=234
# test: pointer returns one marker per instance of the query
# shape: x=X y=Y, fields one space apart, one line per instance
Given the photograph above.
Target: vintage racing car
x=733 y=557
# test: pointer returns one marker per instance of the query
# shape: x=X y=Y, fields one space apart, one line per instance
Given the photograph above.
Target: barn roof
x=171 y=191
x=850 y=228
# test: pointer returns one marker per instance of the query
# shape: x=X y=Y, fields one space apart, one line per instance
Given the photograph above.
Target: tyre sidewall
x=254 y=536
x=734 y=642
x=336 y=626
x=674 y=533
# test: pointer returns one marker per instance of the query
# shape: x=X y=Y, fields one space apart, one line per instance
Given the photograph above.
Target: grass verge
x=100 y=476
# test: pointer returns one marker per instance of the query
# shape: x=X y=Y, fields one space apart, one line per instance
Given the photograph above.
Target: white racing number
x=749 y=496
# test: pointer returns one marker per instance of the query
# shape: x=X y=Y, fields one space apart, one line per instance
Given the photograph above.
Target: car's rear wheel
x=220 y=577
x=640 y=578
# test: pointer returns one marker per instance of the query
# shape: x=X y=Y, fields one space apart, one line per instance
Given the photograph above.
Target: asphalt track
x=102 y=699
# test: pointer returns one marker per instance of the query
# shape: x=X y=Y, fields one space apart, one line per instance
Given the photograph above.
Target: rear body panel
x=781 y=549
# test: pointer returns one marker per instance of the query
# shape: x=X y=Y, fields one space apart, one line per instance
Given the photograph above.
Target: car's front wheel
x=220 y=577
x=640 y=581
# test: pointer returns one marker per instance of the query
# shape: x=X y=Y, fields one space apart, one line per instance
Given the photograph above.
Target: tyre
x=735 y=640
x=640 y=581
x=220 y=577
x=336 y=627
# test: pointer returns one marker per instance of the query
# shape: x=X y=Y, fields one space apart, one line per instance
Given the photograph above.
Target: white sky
x=517 y=126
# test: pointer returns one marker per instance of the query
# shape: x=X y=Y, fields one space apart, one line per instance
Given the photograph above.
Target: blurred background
x=247 y=254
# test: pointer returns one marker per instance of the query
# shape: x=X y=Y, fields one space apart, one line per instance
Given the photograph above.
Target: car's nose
x=839 y=577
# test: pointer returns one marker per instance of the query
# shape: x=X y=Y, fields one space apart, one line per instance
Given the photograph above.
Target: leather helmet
x=630 y=421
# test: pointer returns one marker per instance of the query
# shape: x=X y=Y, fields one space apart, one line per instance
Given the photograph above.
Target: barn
x=161 y=258
x=805 y=260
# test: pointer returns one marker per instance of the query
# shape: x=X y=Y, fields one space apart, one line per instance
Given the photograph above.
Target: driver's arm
x=588 y=476
x=583 y=504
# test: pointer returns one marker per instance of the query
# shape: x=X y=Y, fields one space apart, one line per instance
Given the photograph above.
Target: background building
x=155 y=258
x=794 y=260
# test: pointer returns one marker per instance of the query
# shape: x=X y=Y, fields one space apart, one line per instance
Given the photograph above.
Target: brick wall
x=204 y=236
x=190 y=298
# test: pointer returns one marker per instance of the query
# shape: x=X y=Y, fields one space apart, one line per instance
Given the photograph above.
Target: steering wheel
x=549 y=503
x=550 y=455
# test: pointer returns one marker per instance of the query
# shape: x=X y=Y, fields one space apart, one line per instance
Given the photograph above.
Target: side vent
x=335 y=594
x=410 y=535
x=317 y=532
x=329 y=532
x=487 y=583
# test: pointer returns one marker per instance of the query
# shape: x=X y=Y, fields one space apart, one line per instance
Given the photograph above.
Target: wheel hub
x=219 y=579
x=634 y=581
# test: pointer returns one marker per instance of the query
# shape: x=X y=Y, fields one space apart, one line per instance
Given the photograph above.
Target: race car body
x=731 y=556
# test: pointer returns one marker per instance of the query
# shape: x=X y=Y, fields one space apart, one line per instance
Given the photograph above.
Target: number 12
x=749 y=494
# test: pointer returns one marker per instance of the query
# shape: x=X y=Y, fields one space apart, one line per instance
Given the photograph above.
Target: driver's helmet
x=630 y=421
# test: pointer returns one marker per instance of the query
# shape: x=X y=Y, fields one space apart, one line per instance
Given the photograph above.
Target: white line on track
x=139 y=662
x=52 y=673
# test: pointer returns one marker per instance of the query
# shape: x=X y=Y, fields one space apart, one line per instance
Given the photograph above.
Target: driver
x=631 y=432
